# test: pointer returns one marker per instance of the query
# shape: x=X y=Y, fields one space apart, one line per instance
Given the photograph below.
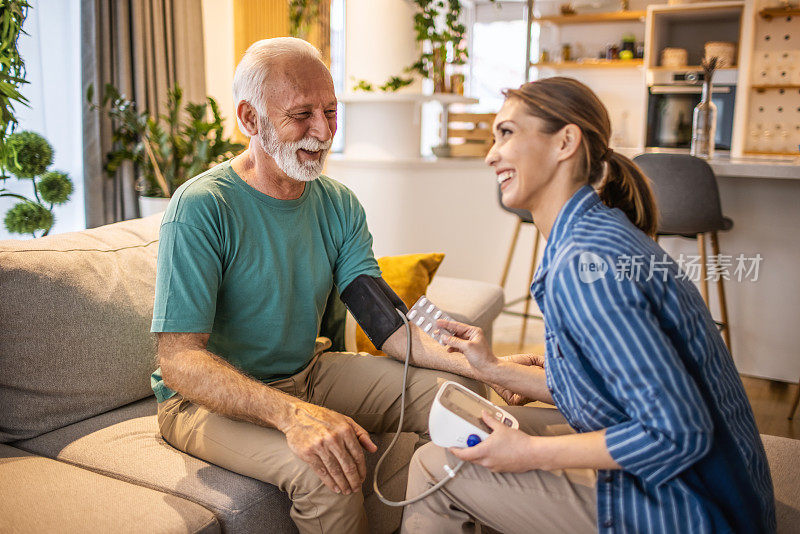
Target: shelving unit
x=592 y=64
x=766 y=87
x=687 y=67
x=773 y=12
x=593 y=18
x=779 y=154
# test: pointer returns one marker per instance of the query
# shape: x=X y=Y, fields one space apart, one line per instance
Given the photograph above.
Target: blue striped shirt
x=642 y=358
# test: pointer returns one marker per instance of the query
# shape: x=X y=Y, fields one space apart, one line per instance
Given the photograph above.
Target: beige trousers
x=536 y=501
x=364 y=387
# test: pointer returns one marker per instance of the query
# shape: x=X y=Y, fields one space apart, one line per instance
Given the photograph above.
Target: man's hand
x=512 y=398
x=472 y=343
x=525 y=359
x=506 y=450
x=332 y=444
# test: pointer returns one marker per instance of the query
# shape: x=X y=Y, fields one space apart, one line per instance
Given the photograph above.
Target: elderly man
x=249 y=253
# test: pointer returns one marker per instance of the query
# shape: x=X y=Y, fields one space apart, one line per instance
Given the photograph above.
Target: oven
x=672 y=97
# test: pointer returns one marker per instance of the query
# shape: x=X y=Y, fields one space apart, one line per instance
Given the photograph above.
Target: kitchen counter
x=770 y=167
x=767 y=167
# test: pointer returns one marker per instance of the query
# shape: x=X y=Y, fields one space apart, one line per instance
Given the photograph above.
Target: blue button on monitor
x=473 y=439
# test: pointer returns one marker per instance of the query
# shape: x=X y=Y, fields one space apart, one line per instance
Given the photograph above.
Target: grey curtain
x=142 y=47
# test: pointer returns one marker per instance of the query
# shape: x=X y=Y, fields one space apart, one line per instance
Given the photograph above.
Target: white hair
x=253 y=70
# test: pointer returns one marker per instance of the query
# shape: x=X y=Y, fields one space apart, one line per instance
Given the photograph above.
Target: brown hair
x=559 y=101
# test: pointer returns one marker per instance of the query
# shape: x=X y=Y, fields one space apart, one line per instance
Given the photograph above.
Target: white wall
x=52 y=55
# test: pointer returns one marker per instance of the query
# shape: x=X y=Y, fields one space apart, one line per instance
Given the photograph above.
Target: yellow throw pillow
x=409 y=276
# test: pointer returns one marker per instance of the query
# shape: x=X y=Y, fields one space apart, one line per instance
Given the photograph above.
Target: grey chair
x=688 y=202
x=523 y=217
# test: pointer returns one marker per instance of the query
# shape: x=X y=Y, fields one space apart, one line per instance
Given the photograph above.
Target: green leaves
x=185 y=141
x=438 y=23
x=395 y=82
x=32 y=154
x=302 y=14
x=12 y=72
x=55 y=187
x=28 y=217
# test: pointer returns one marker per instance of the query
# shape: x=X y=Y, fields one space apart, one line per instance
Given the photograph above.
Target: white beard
x=285 y=154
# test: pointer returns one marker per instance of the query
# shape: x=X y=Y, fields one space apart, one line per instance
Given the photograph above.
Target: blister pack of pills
x=424 y=314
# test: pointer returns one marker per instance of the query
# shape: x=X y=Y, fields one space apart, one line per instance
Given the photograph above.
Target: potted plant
x=32 y=155
x=25 y=155
x=167 y=149
x=440 y=34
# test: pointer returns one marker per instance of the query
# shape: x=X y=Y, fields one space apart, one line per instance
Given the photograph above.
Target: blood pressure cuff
x=374 y=306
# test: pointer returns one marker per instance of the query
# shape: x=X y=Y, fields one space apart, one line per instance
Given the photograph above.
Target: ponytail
x=559 y=101
x=626 y=187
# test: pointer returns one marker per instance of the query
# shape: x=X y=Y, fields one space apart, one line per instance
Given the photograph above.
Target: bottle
x=704 y=124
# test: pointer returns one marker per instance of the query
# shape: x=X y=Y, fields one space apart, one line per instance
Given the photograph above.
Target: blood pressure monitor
x=456 y=417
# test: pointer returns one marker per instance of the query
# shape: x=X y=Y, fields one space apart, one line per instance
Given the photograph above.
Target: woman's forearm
x=526 y=380
x=572 y=451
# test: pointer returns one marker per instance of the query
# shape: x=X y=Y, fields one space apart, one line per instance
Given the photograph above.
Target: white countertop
x=766 y=167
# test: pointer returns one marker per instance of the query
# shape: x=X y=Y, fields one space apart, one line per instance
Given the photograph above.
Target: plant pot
x=152 y=205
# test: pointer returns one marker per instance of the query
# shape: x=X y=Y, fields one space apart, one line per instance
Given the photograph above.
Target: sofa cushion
x=44 y=495
x=76 y=312
x=469 y=301
x=126 y=444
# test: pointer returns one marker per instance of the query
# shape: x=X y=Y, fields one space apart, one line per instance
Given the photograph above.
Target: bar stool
x=688 y=202
x=523 y=217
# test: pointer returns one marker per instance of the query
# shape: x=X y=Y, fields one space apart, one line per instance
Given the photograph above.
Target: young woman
x=652 y=432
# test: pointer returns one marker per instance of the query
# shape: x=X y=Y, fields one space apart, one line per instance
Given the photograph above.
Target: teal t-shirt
x=254 y=271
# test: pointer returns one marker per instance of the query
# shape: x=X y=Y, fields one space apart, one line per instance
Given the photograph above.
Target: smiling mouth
x=312 y=154
x=504 y=177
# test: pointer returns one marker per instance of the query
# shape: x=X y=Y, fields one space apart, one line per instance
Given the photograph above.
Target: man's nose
x=320 y=128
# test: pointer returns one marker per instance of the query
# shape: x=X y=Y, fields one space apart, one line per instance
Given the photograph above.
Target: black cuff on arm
x=374 y=306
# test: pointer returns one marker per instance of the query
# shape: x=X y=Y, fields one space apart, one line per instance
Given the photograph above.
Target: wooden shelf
x=765 y=87
x=770 y=12
x=687 y=68
x=753 y=153
x=592 y=64
x=594 y=18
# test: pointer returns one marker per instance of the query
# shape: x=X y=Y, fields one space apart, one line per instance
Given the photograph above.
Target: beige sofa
x=79 y=445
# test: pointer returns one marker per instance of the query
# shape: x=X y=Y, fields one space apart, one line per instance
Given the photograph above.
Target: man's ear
x=570 y=137
x=248 y=117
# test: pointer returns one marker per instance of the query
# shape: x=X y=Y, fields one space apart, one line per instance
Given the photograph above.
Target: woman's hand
x=472 y=343
x=506 y=450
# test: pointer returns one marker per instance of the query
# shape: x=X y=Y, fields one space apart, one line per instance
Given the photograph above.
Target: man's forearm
x=425 y=352
x=210 y=381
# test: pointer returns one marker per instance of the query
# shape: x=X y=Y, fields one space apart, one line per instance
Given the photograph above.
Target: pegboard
x=774 y=114
x=774 y=125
